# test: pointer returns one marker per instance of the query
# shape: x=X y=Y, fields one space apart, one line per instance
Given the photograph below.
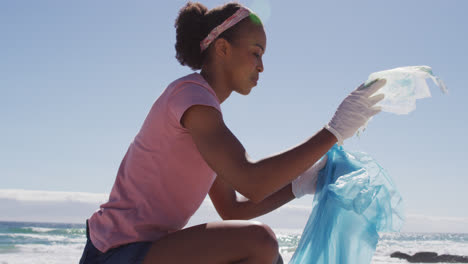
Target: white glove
x=355 y=110
x=306 y=183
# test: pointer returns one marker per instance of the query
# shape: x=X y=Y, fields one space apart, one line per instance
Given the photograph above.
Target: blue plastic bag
x=355 y=199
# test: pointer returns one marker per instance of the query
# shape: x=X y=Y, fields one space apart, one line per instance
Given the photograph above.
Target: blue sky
x=78 y=78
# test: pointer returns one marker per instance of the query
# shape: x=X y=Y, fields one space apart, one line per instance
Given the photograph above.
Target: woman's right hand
x=355 y=110
x=306 y=183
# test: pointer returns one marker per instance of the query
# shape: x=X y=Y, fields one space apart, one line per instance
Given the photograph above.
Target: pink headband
x=240 y=14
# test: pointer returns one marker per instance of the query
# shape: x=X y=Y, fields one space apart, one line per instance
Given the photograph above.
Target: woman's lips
x=255 y=80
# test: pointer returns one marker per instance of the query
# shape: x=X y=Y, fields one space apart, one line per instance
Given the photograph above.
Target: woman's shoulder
x=191 y=83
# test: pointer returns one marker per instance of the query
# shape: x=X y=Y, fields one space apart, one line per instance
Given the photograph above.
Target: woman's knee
x=263 y=238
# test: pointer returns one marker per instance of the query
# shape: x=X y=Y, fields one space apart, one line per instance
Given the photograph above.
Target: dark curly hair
x=193 y=24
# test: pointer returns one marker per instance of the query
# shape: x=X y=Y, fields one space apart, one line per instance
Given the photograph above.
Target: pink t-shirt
x=162 y=179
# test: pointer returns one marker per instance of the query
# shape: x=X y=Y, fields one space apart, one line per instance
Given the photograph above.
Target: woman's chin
x=245 y=91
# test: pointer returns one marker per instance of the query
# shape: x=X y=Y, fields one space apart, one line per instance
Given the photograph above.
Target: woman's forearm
x=271 y=174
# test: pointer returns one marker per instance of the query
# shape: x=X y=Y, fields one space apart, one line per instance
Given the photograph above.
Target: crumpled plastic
x=404 y=86
x=355 y=199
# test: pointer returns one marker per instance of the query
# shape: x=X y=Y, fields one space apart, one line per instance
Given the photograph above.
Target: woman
x=184 y=151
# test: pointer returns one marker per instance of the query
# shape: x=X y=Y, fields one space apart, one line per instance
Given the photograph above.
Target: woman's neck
x=216 y=81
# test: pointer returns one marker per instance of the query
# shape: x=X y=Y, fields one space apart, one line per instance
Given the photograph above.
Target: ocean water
x=51 y=243
x=39 y=243
x=409 y=243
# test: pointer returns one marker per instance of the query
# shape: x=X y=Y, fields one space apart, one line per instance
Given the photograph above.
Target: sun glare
x=262 y=8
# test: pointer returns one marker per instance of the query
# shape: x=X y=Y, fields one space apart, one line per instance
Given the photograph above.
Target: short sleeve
x=190 y=94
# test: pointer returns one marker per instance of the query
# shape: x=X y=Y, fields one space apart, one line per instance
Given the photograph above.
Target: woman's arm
x=229 y=206
x=227 y=157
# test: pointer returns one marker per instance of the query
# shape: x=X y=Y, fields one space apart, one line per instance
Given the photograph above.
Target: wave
x=402 y=237
x=46 y=230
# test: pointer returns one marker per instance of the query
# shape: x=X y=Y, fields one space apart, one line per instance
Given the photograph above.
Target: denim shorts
x=133 y=253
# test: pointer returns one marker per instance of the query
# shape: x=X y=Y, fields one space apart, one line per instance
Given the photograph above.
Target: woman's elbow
x=255 y=188
x=255 y=195
x=228 y=215
x=228 y=212
x=234 y=213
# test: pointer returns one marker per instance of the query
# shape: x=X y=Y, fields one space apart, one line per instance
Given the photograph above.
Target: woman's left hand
x=306 y=183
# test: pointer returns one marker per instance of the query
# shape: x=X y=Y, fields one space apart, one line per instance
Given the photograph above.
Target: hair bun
x=189 y=32
x=193 y=10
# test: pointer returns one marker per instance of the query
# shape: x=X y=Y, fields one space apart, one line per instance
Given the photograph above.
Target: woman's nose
x=260 y=66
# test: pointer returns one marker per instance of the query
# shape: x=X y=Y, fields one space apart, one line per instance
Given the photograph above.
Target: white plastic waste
x=404 y=86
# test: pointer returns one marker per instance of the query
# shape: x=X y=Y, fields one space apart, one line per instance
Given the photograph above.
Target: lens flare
x=255 y=19
x=262 y=8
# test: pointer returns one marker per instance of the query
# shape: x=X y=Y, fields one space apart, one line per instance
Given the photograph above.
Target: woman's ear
x=222 y=47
